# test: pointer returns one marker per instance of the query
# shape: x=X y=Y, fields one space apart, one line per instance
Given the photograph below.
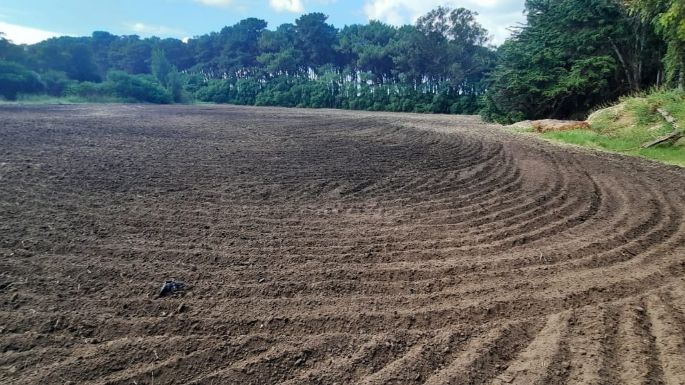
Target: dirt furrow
x=329 y=247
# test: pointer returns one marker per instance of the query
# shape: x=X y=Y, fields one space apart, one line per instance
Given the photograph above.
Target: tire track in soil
x=329 y=247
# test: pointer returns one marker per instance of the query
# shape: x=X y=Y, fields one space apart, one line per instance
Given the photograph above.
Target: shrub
x=56 y=82
x=215 y=91
x=141 y=88
x=90 y=91
x=15 y=79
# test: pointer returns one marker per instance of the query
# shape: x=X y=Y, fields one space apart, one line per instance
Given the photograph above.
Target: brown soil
x=327 y=247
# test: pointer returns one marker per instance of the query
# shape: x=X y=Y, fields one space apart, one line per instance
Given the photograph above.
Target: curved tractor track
x=327 y=247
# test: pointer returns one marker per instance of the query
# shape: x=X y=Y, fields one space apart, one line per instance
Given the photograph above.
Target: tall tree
x=16 y=79
x=570 y=56
x=279 y=56
x=161 y=66
x=9 y=51
x=101 y=43
x=131 y=54
x=177 y=52
x=240 y=46
x=81 y=65
x=457 y=25
x=668 y=16
x=71 y=55
x=368 y=48
x=462 y=40
x=315 y=39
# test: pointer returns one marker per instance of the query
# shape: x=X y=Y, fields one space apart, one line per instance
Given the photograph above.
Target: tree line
x=569 y=56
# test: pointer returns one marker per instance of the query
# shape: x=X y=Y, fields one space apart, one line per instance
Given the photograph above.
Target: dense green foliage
x=570 y=56
x=668 y=18
x=122 y=87
x=15 y=78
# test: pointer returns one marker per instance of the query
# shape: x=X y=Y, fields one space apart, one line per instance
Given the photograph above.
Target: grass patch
x=624 y=145
x=624 y=127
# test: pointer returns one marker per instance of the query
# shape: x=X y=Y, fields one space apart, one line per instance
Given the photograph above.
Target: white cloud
x=20 y=34
x=294 y=6
x=215 y=3
x=495 y=15
x=157 y=30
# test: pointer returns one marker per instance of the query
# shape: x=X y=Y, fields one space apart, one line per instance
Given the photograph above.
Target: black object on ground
x=170 y=287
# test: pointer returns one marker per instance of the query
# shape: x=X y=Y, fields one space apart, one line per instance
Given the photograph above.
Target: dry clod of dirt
x=330 y=247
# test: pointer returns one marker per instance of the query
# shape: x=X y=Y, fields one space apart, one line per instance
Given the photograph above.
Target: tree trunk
x=624 y=64
x=640 y=55
x=659 y=77
x=681 y=80
x=672 y=137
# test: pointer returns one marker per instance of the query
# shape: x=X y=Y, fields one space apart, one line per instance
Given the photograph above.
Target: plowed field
x=328 y=247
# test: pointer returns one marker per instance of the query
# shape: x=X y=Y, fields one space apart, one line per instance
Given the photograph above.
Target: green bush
x=121 y=87
x=94 y=92
x=16 y=79
x=56 y=83
x=139 y=88
x=246 y=91
x=215 y=91
x=175 y=83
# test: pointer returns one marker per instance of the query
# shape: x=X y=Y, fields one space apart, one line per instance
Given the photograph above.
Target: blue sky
x=29 y=21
